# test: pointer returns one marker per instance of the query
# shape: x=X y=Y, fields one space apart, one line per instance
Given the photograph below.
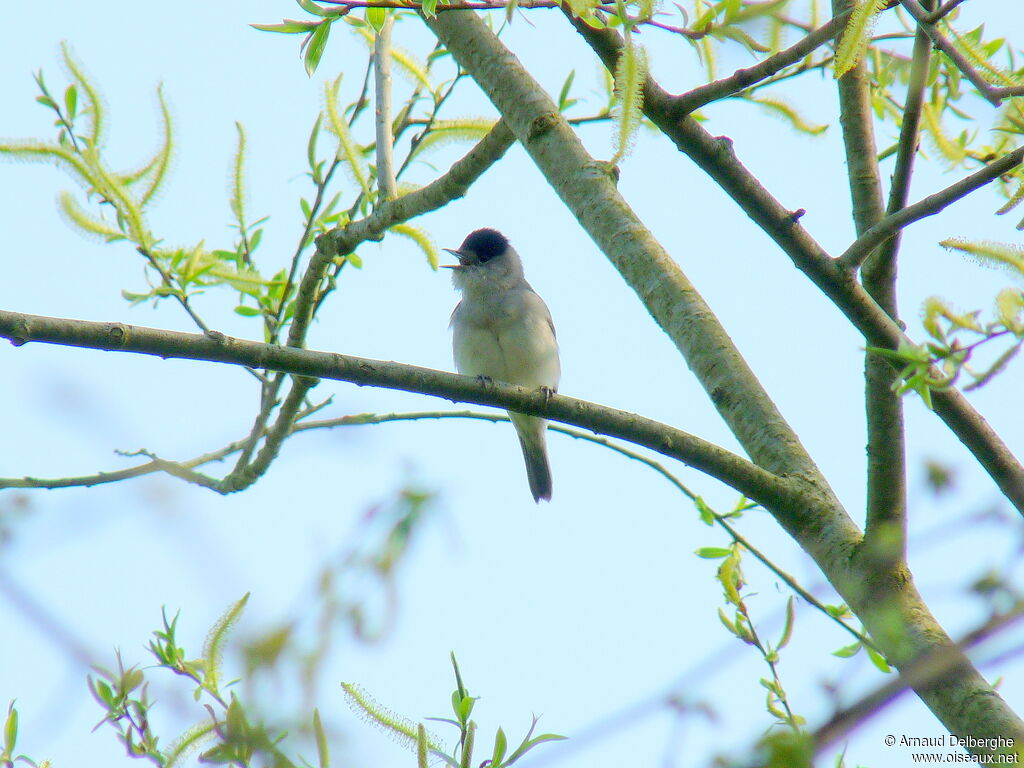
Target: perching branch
x=735 y=471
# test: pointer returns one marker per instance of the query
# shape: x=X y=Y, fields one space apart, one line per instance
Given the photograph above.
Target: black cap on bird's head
x=480 y=246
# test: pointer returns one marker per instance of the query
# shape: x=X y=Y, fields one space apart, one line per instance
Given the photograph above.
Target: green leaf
x=500 y=747
x=848 y=650
x=323 y=755
x=11 y=731
x=787 y=629
x=287 y=27
x=712 y=553
x=245 y=311
x=310 y=7
x=707 y=515
x=1009 y=303
x=71 y=100
x=878 y=660
x=315 y=47
x=376 y=18
x=563 y=95
x=314 y=134
x=429 y=8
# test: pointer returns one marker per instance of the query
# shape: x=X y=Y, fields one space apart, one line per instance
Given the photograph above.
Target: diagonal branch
x=886 y=602
x=885 y=531
x=992 y=93
x=928 y=206
x=741 y=79
x=737 y=472
x=715 y=156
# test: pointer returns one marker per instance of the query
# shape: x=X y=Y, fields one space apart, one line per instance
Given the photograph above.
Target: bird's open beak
x=457 y=255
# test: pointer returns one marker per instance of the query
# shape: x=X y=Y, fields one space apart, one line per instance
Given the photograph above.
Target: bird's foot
x=548 y=392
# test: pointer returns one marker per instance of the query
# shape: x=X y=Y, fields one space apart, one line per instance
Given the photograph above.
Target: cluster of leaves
x=740 y=625
x=956 y=336
x=428 y=747
x=117 y=202
x=227 y=736
x=792 y=743
x=946 y=94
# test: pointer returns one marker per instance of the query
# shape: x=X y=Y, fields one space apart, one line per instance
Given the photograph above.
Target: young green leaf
x=287 y=27
x=712 y=553
x=317 y=42
x=500 y=747
x=376 y=17
x=848 y=650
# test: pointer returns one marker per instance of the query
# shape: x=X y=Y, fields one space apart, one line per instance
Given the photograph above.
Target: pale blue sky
x=576 y=610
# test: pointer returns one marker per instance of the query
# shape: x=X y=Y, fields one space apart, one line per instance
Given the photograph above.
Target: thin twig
x=928 y=206
x=991 y=93
x=943 y=10
x=744 y=78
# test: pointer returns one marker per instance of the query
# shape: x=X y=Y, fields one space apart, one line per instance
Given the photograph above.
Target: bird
x=502 y=330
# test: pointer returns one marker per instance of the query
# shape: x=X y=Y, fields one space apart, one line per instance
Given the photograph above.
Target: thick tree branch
x=887 y=603
x=932 y=666
x=739 y=473
x=716 y=157
x=886 y=527
x=885 y=532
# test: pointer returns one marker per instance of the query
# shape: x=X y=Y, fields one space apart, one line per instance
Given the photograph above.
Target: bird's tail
x=532 y=431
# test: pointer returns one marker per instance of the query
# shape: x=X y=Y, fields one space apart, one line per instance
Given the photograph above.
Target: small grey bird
x=502 y=330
